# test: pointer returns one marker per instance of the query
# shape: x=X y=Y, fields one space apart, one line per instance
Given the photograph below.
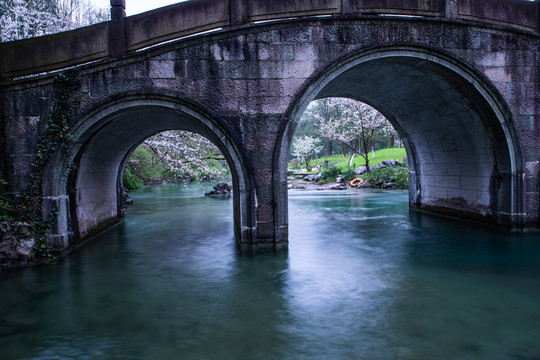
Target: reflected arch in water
x=92 y=200
x=464 y=156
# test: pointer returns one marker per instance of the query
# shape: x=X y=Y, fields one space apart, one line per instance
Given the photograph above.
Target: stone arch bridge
x=458 y=79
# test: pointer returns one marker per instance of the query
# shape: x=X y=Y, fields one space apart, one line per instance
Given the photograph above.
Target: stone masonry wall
x=252 y=80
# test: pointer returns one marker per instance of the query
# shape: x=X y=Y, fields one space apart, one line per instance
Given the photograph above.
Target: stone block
x=265 y=231
x=21 y=145
x=261 y=159
x=533 y=167
x=522 y=58
x=272 y=36
x=265 y=213
x=268 y=52
x=22 y=166
x=453 y=38
x=296 y=35
x=162 y=69
x=260 y=141
x=282 y=235
x=306 y=52
x=287 y=52
x=265 y=195
x=263 y=177
x=198 y=52
x=106 y=87
x=527 y=123
x=478 y=41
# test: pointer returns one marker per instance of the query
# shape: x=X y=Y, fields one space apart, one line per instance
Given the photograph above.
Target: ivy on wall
x=27 y=206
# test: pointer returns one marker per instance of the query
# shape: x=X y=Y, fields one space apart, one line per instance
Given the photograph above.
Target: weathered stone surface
x=464 y=97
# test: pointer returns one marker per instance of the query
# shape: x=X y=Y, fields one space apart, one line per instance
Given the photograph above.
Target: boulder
x=313 y=177
x=221 y=189
x=393 y=162
x=361 y=170
x=340 y=186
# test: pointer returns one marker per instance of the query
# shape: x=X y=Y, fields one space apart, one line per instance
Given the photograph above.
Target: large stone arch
x=465 y=158
x=90 y=200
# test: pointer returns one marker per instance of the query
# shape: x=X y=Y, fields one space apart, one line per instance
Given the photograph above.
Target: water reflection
x=364 y=278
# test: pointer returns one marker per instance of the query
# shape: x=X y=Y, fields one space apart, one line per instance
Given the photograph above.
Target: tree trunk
x=367 y=162
x=392 y=140
x=352 y=158
x=329 y=148
x=342 y=150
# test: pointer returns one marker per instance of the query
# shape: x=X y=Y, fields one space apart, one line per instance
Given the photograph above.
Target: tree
x=317 y=111
x=353 y=122
x=176 y=156
x=305 y=147
x=20 y=19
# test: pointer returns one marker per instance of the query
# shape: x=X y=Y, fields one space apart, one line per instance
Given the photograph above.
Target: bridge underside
x=460 y=161
x=96 y=200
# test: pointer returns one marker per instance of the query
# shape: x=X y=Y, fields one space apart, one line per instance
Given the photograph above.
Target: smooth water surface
x=363 y=278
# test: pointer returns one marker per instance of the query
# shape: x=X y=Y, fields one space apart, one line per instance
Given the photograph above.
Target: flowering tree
x=177 y=156
x=354 y=122
x=20 y=19
x=305 y=147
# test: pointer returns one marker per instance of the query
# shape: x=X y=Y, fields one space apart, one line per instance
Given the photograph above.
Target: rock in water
x=220 y=190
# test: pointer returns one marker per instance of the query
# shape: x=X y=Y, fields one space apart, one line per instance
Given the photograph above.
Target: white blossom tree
x=354 y=122
x=184 y=156
x=305 y=148
x=20 y=19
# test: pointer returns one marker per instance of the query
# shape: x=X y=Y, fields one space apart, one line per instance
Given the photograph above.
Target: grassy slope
x=380 y=155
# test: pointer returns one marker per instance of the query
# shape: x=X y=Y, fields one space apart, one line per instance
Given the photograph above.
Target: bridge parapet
x=122 y=36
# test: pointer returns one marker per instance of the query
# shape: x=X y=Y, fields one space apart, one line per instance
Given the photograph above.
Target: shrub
x=349 y=175
x=398 y=176
x=329 y=174
x=131 y=182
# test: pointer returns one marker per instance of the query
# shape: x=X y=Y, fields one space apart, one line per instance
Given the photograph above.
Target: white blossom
x=187 y=155
x=306 y=147
x=347 y=121
x=20 y=19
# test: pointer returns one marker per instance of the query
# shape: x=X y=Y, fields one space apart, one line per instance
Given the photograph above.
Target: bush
x=398 y=176
x=131 y=182
x=329 y=174
x=349 y=175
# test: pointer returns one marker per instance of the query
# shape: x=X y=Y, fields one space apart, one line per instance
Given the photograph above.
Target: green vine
x=28 y=205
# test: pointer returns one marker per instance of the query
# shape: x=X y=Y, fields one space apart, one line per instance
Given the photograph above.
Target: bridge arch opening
x=92 y=199
x=464 y=159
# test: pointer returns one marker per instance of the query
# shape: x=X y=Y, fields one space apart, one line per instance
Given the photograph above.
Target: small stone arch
x=490 y=184
x=89 y=201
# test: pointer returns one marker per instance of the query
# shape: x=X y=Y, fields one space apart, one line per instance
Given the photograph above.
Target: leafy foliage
x=398 y=176
x=352 y=122
x=27 y=206
x=348 y=174
x=329 y=174
x=131 y=181
x=174 y=156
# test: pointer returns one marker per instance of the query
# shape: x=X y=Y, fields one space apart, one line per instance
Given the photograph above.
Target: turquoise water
x=363 y=278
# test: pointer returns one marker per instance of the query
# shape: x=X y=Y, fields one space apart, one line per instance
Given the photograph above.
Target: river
x=363 y=278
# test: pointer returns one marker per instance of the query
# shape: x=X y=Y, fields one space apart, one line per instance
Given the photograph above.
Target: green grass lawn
x=380 y=155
